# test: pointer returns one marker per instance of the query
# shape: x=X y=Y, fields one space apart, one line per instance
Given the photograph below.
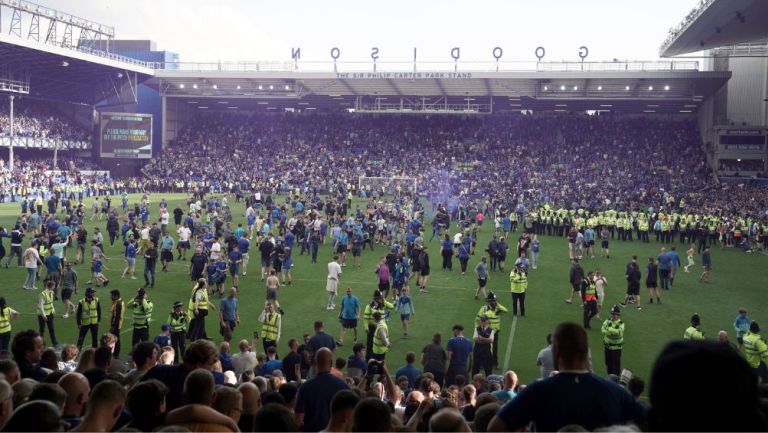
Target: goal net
x=391 y=186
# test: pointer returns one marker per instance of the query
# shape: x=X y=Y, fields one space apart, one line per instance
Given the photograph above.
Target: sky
x=256 y=30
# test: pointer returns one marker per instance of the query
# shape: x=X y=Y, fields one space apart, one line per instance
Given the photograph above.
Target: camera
x=375 y=367
x=438 y=403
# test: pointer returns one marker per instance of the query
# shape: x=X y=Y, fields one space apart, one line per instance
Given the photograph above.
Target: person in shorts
x=350 y=311
x=332 y=282
x=68 y=287
x=604 y=236
x=600 y=283
x=272 y=283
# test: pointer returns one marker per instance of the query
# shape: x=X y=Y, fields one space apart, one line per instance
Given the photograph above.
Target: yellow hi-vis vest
x=755 y=349
x=47 y=296
x=269 y=326
x=379 y=347
x=518 y=282
x=178 y=324
x=203 y=305
x=142 y=313
x=5 y=320
x=90 y=314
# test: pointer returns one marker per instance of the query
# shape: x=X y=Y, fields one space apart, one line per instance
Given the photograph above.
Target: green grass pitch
x=737 y=280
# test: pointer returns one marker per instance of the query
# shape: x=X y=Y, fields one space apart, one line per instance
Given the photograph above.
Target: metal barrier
x=460 y=67
x=689 y=19
x=43 y=143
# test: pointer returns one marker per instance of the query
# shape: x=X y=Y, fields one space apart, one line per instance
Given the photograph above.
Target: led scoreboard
x=125 y=135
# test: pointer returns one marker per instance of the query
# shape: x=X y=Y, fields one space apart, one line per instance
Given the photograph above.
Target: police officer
x=45 y=313
x=756 y=351
x=178 y=321
x=88 y=317
x=7 y=315
x=141 y=307
x=519 y=283
x=380 y=305
x=381 y=341
x=198 y=310
x=693 y=332
x=116 y=315
x=482 y=352
x=271 y=326
x=613 y=339
x=590 y=297
x=491 y=311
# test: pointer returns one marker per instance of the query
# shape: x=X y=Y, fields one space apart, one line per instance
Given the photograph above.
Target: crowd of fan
x=35 y=120
x=593 y=162
x=40 y=391
x=34 y=175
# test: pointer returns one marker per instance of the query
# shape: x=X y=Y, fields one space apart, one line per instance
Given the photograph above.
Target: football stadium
x=198 y=245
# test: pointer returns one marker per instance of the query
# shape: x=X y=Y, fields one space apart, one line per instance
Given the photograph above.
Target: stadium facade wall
x=748 y=90
x=149 y=100
x=177 y=113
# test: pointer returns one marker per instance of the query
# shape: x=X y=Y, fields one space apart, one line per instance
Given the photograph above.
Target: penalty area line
x=511 y=338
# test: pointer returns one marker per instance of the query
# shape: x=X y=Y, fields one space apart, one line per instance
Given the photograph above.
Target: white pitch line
x=509 y=343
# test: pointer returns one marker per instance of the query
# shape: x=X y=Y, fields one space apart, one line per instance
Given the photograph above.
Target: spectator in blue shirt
x=164 y=338
x=130 y=259
x=675 y=263
x=408 y=370
x=356 y=365
x=225 y=357
x=229 y=314
x=272 y=363
x=665 y=265
x=459 y=347
x=53 y=267
x=313 y=402
x=508 y=391
x=741 y=325
x=235 y=259
x=350 y=313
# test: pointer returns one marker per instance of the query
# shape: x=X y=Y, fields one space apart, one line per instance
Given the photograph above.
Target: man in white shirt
x=164 y=216
x=457 y=240
x=245 y=360
x=215 y=250
x=332 y=284
x=144 y=238
x=31 y=261
x=184 y=233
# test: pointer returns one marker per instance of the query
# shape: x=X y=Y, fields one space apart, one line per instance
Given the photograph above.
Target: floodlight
x=575 y=87
x=599 y=87
x=194 y=86
x=626 y=87
x=650 y=88
x=562 y=87
x=666 y=87
x=181 y=86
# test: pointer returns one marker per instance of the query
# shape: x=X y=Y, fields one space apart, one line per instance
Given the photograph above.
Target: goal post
x=392 y=185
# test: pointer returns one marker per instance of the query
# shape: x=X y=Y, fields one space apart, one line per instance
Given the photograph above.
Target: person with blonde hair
x=68 y=361
x=167 y=356
x=87 y=360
